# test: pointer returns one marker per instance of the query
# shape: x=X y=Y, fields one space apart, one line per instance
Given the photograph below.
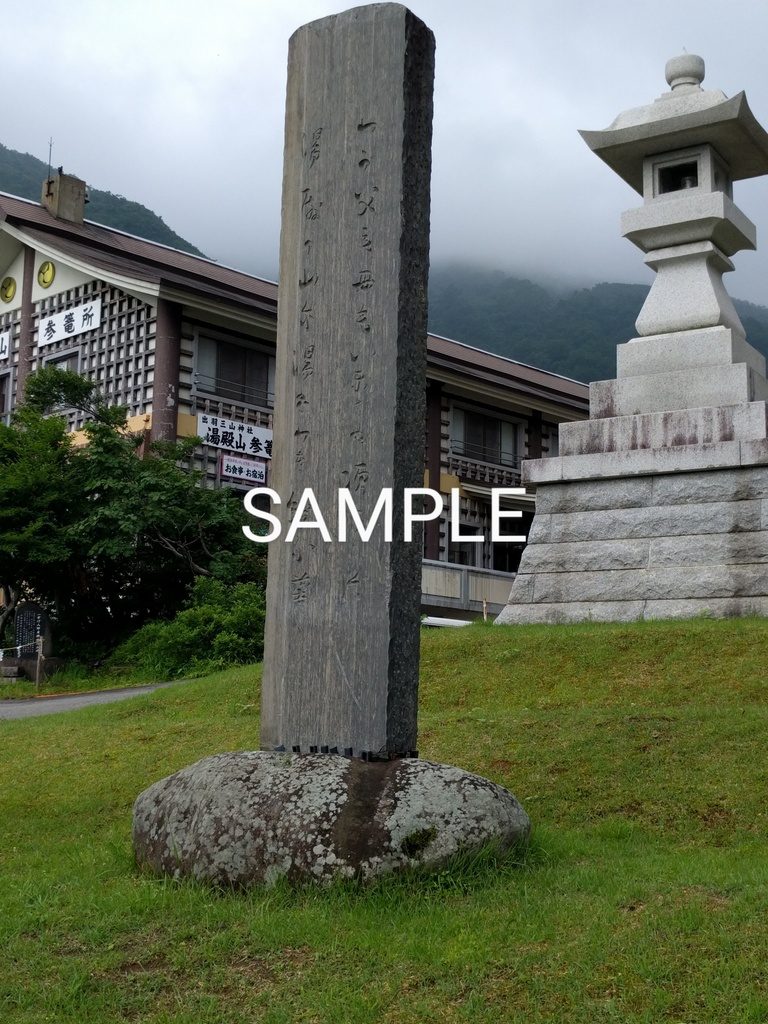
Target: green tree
x=220 y=625
x=36 y=498
x=109 y=534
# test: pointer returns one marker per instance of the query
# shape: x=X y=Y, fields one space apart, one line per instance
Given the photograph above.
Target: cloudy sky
x=179 y=106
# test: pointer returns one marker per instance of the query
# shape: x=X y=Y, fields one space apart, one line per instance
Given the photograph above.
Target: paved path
x=30 y=707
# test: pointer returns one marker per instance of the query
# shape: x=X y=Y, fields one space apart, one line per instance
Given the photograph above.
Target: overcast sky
x=179 y=106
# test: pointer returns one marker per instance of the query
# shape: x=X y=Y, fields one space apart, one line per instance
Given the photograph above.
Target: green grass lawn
x=638 y=751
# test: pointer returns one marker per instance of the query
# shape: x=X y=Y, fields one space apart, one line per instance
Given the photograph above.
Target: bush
x=221 y=625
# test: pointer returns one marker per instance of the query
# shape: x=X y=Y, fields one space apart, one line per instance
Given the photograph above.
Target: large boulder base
x=252 y=817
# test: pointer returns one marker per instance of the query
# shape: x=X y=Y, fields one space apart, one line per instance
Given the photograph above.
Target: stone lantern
x=682 y=153
x=657 y=506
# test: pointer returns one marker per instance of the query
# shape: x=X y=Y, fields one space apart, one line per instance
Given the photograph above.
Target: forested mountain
x=573 y=333
x=23 y=175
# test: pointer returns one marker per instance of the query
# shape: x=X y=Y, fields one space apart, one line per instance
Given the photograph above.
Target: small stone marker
x=29 y=624
x=342 y=630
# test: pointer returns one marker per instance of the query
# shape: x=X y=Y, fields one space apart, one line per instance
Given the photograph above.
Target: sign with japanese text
x=250 y=471
x=234 y=436
x=69 y=323
x=5 y=344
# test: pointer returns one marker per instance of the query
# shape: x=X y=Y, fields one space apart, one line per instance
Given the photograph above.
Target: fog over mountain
x=573 y=332
x=181 y=106
x=544 y=320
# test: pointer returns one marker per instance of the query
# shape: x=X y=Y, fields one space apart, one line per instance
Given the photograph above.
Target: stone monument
x=657 y=506
x=30 y=655
x=341 y=656
x=31 y=631
x=338 y=790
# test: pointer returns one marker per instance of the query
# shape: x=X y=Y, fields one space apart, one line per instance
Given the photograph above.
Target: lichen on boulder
x=253 y=817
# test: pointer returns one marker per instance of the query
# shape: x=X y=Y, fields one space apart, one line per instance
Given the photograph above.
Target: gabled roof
x=118 y=252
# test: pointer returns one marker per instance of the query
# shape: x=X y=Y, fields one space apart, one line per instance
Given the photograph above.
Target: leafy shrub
x=221 y=625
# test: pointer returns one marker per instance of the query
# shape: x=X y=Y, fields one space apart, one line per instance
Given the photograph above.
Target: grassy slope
x=637 y=750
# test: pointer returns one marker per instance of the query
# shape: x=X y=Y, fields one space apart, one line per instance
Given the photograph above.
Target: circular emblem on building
x=7 y=289
x=46 y=274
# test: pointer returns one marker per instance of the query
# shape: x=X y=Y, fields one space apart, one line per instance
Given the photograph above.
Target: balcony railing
x=214 y=397
x=463 y=587
x=234 y=390
x=473 y=464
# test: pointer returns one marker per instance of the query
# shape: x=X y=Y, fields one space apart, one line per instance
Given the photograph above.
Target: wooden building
x=188 y=347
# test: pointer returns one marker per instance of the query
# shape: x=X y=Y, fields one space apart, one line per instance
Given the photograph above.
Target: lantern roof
x=684 y=117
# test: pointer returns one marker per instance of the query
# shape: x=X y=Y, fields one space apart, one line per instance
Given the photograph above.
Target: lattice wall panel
x=119 y=354
x=10 y=321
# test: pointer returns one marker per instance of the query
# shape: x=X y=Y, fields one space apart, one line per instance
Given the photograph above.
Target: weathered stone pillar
x=342 y=633
x=342 y=643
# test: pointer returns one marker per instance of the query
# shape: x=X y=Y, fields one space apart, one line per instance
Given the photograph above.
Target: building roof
x=119 y=252
x=454 y=357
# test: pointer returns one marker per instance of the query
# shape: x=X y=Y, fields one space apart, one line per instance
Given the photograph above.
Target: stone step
x=678 y=583
x=645 y=462
x=652 y=521
x=744 y=484
x=722 y=550
x=631 y=611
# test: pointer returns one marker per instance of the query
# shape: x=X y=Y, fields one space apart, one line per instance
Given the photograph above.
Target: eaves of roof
x=164 y=270
x=157 y=278
x=456 y=357
x=135 y=257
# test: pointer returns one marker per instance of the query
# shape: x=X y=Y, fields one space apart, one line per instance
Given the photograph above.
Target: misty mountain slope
x=574 y=334
x=567 y=331
x=467 y=301
x=23 y=175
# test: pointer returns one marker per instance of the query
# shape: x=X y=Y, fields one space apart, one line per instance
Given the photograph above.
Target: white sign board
x=250 y=471
x=69 y=323
x=234 y=436
x=5 y=344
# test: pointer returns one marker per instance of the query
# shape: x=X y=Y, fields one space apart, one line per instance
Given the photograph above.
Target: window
x=65 y=361
x=678 y=176
x=466 y=552
x=233 y=372
x=484 y=438
x=505 y=555
x=5 y=393
x=553 y=444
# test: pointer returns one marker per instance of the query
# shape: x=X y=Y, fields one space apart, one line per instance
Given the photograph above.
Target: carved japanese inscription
x=343 y=618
